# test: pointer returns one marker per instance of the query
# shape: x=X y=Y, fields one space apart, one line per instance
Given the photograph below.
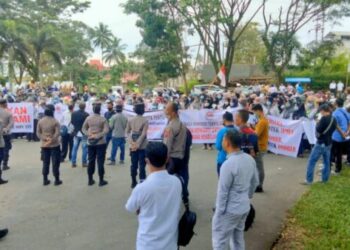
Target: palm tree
x=114 y=52
x=101 y=37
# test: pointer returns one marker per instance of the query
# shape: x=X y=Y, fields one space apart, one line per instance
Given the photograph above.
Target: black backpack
x=250 y=218
x=186 y=224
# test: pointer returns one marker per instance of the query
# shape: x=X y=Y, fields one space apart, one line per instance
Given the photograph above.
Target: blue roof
x=298 y=80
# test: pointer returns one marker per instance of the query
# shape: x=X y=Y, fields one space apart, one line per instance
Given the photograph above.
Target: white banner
x=23 y=114
x=285 y=136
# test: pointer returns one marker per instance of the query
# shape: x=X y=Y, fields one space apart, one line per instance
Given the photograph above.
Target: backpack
x=186 y=224
x=250 y=218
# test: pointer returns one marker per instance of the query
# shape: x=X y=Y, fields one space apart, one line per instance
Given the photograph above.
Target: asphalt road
x=75 y=216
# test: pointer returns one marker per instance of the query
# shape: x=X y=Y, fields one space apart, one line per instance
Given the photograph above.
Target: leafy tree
x=101 y=37
x=114 y=52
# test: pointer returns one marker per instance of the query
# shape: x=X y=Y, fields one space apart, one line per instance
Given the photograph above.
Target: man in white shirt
x=157 y=202
x=340 y=87
x=333 y=87
x=237 y=184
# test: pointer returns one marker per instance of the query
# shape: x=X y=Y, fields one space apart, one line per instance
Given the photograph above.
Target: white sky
x=123 y=26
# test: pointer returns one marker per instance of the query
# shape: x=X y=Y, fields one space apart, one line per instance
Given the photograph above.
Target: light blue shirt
x=237 y=183
x=158 y=199
x=342 y=118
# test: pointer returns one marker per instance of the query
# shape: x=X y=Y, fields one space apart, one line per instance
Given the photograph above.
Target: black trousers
x=7 y=148
x=66 y=147
x=96 y=153
x=338 y=149
x=51 y=155
x=1 y=157
x=33 y=136
x=179 y=167
x=138 y=162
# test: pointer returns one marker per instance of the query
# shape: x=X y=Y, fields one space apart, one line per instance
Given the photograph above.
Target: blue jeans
x=77 y=141
x=118 y=143
x=318 y=151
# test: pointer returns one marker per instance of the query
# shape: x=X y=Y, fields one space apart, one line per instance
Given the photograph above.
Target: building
x=344 y=37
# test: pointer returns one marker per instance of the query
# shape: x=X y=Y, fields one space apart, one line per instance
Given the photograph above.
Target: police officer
x=136 y=130
x=7 y=120
x=48 y=131
x=96 y=129
x=174 y=137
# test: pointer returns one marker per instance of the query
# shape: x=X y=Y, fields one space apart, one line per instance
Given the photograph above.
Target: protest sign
x=23 y=117
x=285 y=136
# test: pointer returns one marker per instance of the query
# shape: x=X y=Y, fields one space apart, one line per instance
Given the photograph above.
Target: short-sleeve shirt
x=343 y=119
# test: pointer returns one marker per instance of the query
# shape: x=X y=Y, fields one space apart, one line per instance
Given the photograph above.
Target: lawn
x=321 y=218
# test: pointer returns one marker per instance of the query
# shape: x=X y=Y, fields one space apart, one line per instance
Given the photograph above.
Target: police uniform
x=174 y=138
x=7 y=120
x=136 y=130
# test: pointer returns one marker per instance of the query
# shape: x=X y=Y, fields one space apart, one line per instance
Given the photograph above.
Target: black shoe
x=121 y=162
x=133 y=185
x=85 y=165
x=3 y=182
x=91 y=182
x=58 y=182
x=103 y=183
x=74 y=165
x=46 y=182
x=259 y=190
x=3 y=233
x=5 y=168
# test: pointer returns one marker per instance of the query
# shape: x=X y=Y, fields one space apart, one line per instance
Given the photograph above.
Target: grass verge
x=321 y=218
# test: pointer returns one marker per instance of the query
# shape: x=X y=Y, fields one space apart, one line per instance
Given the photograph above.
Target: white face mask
x=296 y=108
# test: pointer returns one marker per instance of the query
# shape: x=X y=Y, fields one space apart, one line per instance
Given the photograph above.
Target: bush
x=190 y=85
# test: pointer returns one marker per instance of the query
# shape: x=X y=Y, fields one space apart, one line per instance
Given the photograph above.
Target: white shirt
x=66 y=118
x=340 y=86
x=332 y=85
x=159 y=200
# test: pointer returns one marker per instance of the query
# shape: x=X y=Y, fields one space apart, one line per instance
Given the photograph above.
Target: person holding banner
x=7 y=120
x=136 y=130
x=48 y=131
x=324 y=130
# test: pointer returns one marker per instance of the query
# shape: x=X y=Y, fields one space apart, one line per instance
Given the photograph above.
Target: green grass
x=321 y=219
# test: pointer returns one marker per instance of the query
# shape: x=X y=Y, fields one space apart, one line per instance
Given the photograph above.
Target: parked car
x=211 y=89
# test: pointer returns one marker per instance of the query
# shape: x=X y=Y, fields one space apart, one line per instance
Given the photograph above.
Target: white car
x=211 y=89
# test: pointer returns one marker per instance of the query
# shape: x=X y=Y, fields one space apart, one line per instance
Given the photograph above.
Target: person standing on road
x=136 y=130
x=78 y=119
x=157 y=202
x=118 y=124
x=237 y=183
x=228 y=125
x=174 y=137
x=2 y=145
x=262 y=131
x=66 y=134
x=48 y=131
x=7 y=119
x=340 y=135
x=96 y=129
x=324 y=130
x=108 y=115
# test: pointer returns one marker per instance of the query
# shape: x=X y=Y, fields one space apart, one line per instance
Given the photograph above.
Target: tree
x=101 y=37
x=218 y=23
x=114 y=52
x=279 y=33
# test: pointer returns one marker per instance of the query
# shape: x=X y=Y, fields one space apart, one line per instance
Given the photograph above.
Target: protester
x=340 y=135
x=49 y=133
x=78 y=119
x=136 y=130
x=262 y=131
x=108 y=115
x=7 y=120
x=228 y=125
x=157 y=203
x=237 y=183
x=96 y=128
x=67 y=140
x=324 y=130
x=118 y=124
x=174 y=137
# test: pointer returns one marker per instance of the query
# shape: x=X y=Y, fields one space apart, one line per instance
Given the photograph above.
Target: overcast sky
x=123 y=26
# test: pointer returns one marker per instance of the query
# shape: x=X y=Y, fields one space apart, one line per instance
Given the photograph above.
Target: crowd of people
x=156 y=198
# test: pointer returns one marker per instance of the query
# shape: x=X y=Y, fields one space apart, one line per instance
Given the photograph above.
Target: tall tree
x=218 y=23
x=101 y=37
x=114 y=51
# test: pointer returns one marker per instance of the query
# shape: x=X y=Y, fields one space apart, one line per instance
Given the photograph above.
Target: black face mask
x=110 y=109
x=97 y=109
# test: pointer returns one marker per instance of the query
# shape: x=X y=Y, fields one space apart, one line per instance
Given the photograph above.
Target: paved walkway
x=75 y=216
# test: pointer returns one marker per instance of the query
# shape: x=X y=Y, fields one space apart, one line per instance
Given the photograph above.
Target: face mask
x=226 y=103
x=287 y=105
x=268 y=103
x=296 y=108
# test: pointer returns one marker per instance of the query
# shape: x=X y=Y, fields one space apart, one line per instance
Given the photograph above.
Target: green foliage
x=190 y=84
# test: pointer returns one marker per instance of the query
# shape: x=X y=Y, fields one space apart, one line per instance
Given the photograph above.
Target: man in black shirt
x=324 y=130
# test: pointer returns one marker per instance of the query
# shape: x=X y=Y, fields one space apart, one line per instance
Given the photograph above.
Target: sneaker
x=58 y=182
x=74 y=165
x=3 y=181
x=3 y=233
x=335 y=173
x=111 y=163
x=103 y=183
x=85 y=165
x=305 y=183
x=121 y=162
